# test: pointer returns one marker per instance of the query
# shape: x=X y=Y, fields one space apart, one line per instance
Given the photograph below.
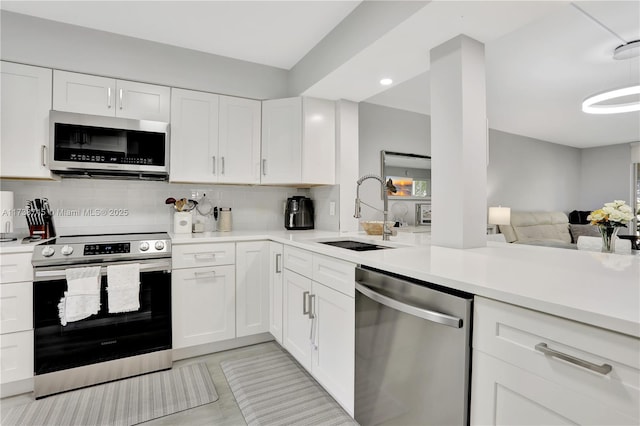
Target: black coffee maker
x=299 y=213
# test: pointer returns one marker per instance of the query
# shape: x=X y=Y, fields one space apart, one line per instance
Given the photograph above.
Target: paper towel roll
x=6 y=212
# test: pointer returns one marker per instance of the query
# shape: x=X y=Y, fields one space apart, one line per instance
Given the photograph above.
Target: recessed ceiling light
x=386 y=81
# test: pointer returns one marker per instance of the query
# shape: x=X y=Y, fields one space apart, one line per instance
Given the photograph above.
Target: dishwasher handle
x=426 y=314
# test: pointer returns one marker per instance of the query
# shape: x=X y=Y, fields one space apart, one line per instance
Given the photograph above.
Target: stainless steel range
x=93 y=340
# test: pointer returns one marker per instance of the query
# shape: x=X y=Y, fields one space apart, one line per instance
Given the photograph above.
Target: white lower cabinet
x=319 y=325
x=296 y=324
x=16 y=356
x=332 y=357
x=252 y=288
x=203 y=305
x=534 y=368
x=276 y=280
x=16 y=323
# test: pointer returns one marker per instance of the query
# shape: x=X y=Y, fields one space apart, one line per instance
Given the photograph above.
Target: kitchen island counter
x=590 y=287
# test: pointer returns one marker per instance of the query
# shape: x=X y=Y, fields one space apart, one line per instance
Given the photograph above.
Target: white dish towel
x=82 y=298
x=123 y=287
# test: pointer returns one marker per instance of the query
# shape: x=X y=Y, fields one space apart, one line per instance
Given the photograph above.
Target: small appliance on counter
x=224 y=223
x=299 y=213
x=6 y=216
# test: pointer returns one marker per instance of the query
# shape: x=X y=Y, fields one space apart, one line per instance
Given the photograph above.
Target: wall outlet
x=332 y=208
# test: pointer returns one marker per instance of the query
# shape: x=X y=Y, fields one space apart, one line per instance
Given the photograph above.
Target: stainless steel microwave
x=96 y=146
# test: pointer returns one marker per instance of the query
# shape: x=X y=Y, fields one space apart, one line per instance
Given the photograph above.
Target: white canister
x=182 y=222
x=6 y=212
x=224 y=223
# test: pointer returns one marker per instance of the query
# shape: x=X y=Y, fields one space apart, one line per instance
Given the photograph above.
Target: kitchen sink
x=355 y=245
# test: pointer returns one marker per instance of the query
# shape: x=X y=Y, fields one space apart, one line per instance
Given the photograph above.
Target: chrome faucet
x=386 y=188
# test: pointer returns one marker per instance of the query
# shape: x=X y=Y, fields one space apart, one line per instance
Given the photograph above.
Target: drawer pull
x=602 y=369
x=204 y=256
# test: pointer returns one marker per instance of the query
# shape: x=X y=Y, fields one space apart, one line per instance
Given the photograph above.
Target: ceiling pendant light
x=627 y=50
x=593 y=105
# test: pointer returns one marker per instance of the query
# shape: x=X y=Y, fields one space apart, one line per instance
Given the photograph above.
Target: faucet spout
x=386 y=188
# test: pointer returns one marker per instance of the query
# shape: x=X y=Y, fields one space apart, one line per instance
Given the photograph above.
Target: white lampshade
x=499 y=215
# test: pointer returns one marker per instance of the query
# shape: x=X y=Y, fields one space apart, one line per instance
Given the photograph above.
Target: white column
x=458 y=144
x=347 y=161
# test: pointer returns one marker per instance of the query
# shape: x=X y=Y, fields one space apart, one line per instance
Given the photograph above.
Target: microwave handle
x=43 y=155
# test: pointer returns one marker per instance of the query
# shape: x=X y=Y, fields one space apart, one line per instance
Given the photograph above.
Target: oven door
x=104 y=336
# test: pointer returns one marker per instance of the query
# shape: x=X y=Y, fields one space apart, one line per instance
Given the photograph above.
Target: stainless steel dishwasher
x=413 y=346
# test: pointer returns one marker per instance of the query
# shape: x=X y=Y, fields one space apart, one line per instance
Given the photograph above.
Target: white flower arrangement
x=616 y=213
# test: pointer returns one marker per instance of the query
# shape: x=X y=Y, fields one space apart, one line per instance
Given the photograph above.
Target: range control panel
x=112 y=248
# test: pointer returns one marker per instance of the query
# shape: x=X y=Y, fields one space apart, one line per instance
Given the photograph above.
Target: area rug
x=123 y=402
x=273 y=389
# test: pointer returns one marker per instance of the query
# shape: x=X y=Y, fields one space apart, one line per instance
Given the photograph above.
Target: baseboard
x=16 y=388
x=224 y=345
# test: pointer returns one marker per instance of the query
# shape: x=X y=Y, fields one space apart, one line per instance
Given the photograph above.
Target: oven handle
x=62 y=273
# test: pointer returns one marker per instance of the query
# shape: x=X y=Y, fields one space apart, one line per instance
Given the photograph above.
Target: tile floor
x=223 y=412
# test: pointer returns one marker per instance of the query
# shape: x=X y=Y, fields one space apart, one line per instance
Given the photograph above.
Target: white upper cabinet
x=214 y=139
x=26 y=101
x=282 y=140
x=239 y=140
x=298 y=141
x=319 y=141
x=194 y=136
x=89 y=94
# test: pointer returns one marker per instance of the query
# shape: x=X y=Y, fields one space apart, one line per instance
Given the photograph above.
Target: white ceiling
x=543 y=57
x=275 y=33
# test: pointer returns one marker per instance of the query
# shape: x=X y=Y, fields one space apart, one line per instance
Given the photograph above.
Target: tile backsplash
x=104 y=206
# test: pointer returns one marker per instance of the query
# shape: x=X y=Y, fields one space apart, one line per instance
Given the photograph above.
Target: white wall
x=605 y=176
x=530 y=174
x=254 y=208
x=390 y=129
x=52 y=44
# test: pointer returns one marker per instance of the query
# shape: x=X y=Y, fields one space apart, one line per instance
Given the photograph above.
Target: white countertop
x=18 y=246
x=594 y=288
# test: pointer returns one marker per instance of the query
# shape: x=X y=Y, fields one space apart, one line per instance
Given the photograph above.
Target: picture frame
x=423 y=214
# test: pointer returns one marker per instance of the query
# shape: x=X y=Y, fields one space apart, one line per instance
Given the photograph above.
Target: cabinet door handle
x=312 y=298
x=121 y=95
x=214 y=165
x=264 y=166
x=278 y=263
x=603 y=369
x=222 y=158
x=109 y=97
x=305 y=309
x=43 y=155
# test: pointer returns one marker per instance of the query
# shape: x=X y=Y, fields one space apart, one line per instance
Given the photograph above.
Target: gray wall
x=605 y=176
x=383 y=128
x=530 y=174
x=523 y=173
x=52 y=44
